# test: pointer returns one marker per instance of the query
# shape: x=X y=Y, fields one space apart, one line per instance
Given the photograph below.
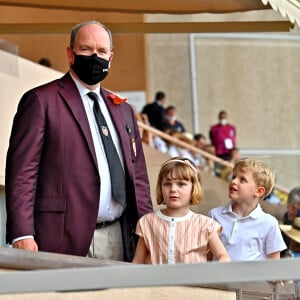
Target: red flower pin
x=116 y=99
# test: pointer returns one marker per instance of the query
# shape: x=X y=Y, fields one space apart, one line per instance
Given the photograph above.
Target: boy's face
x=243 y=187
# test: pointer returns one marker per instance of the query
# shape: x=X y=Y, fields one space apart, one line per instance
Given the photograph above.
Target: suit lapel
x=72 y=98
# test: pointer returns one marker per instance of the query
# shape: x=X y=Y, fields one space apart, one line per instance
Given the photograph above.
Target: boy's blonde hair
x=180 y=169
x=262 y=174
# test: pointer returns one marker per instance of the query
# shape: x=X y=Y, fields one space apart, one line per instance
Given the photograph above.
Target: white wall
x=2 y=217
x=17 y=75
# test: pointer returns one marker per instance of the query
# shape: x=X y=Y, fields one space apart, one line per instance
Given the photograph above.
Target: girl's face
x=243 y=187
x=176 y=193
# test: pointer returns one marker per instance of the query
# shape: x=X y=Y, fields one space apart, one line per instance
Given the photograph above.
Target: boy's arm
x=274 y=255
x=141 y=252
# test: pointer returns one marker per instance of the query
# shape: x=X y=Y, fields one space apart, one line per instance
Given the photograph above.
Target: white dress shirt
x=109 y=209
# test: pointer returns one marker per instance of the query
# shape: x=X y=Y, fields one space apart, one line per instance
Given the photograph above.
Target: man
x=293 y=212
x=293 y=206
x=200 y=142
x=155 y=111
x=58 y=184
x=171 y=122
x=223 y=136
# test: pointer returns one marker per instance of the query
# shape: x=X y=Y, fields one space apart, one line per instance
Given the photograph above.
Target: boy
x=248 y=232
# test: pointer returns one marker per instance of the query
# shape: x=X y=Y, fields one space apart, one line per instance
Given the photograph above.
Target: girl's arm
x=217 y=248
x=141 y=252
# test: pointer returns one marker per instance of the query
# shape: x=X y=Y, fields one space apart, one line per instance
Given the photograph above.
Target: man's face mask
x=171 y=118
x=223 y=121
x=90 y=69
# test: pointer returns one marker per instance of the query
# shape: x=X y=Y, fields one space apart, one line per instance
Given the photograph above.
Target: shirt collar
x=174 y=219
x=255 y=214
x=83 y=90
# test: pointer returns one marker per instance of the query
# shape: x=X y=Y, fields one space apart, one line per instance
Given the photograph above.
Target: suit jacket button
x=97 y=182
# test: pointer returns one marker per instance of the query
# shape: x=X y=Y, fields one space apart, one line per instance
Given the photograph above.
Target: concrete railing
x=51 y=272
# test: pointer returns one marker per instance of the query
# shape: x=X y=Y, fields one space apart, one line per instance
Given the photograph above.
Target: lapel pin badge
x=104 y=130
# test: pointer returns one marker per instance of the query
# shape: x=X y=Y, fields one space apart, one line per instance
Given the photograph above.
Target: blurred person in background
x=293 y=211
x=235 y=156
x=223 y=136
x=171 y=121
x=200 y=142
x=155 y=111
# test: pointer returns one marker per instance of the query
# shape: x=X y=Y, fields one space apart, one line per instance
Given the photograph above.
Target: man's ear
x=70 y=56
x=110 y=59
x=260 y=191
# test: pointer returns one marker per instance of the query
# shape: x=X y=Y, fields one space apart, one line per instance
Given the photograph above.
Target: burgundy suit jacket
x=52 y=181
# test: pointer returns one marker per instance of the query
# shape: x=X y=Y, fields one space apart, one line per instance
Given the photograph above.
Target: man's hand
x=26 y=244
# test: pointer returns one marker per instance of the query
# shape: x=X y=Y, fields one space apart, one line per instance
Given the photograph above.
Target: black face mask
x=90 y=69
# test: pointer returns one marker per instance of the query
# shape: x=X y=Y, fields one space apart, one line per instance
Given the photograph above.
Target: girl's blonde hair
x=180 y=169
x=262 y=174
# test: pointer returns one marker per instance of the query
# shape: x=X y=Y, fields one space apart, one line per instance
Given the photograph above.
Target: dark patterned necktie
x=117 y=174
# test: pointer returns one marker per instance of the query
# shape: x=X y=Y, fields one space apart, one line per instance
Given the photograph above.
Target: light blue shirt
x=248 y=238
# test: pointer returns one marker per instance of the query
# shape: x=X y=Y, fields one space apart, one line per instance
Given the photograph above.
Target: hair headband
x=185 y=161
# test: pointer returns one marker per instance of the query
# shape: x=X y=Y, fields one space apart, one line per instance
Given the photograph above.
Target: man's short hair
x=160 y=95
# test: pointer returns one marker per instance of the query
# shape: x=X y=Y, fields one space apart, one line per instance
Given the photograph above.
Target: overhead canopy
x=143 y=6
x=289 y=8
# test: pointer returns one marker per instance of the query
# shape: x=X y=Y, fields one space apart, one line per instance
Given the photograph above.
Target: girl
x=175 y=234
